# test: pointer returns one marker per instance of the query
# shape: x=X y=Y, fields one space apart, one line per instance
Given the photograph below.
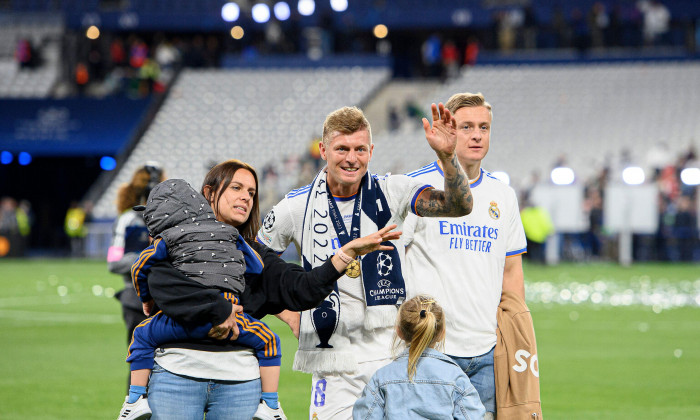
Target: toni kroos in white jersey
x=347 y=338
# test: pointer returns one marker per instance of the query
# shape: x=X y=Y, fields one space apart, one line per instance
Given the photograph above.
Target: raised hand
x=456 y=199
x=442 y=137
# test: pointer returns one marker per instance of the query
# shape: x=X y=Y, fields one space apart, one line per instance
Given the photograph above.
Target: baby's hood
x=174 y=202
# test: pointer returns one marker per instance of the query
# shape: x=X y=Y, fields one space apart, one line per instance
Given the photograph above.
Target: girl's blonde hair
x=420 y=324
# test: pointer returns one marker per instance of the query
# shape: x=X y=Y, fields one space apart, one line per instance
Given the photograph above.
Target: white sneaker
x=264 y=412
x=136 y=411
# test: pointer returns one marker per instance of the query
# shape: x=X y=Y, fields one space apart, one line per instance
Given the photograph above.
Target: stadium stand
x=260 y=116
x=43 y=33
x=588 y=112
x=31 y=83
x=592 y=101
x=592 y=113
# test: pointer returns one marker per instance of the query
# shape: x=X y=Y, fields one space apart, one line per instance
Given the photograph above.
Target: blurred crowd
x=677 y=236
x=137 y=65
x=143 y=63
x=605 y=24
x=16 y=220
x=292 y=172
x=134 y=66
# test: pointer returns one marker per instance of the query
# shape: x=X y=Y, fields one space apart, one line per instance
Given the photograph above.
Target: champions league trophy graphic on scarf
x=325 y=319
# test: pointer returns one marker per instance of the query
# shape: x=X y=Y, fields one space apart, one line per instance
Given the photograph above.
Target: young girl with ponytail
x=421 y=383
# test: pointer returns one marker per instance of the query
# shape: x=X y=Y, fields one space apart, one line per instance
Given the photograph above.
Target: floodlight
x=562 y=176
x=339 y=5
x=6 y=157
x=282 y=11
x=306 y=7
x=230 y=12
x=633 y=175
x=690 y=176
x=261 y=13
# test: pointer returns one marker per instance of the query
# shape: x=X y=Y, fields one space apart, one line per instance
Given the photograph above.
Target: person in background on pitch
x=129 y=238
x=347 y=338
x=421 y=382
x=467 y=262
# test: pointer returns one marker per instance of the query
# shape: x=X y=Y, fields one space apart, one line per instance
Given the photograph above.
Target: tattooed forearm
x=455 y=201
x=457 y=188
x=431 y=203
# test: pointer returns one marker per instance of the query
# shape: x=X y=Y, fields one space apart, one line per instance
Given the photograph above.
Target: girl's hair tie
x=422 y=313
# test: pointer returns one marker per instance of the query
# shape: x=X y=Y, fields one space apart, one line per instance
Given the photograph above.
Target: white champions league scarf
x=323 y=338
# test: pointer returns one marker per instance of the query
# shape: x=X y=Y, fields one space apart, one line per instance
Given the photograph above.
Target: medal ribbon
x=337 y=219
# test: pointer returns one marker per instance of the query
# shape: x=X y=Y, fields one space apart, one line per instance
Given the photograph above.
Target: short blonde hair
x=467 y=100
x=346 y=120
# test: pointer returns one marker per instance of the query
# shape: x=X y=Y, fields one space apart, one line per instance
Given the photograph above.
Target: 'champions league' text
x=469 y=237
x=391 y=293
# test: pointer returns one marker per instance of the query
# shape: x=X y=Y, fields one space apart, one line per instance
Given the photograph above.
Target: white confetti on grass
x=659 y=295
x=97 y=290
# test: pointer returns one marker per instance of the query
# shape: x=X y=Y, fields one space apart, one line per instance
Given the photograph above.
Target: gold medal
x=353 y=270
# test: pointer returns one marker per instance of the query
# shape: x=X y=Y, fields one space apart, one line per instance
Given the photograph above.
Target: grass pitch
x=63 y=342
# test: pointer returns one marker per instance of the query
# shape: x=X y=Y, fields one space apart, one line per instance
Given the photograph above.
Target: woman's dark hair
x=218 y=179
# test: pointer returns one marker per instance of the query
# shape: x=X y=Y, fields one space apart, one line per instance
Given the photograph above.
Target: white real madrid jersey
x=283 y=225
x=460 y=260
